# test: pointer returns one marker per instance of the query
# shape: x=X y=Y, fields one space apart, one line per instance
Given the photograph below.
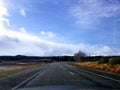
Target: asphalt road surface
x=61 y=74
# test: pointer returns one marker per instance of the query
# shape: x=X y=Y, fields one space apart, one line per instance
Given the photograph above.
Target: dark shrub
x=96 y=59
x=103 y=60
x=114 y=60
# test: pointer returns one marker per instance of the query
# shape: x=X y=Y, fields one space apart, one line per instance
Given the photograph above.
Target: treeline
x=112 y=60
x=81 y=56
x=36 y=58
x=99 y=59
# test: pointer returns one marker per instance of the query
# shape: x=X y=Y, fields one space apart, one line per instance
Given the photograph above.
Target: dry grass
x=104 y=67
x=15 y=69
x=10 y=71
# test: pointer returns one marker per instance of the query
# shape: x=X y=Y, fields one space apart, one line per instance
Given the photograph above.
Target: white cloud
x=22 y=29
x=89 y=12
x=42 y=33
x=3 y=10
x=22 y=12
x=48 y=34
x=13 y=42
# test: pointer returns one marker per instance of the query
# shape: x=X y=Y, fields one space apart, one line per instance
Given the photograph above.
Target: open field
x=104 y=67
x=8 y=69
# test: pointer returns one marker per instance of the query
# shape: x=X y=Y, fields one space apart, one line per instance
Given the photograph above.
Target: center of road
x=66 y=74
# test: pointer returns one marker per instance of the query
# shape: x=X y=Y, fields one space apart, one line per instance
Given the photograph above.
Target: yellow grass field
x=104 y=67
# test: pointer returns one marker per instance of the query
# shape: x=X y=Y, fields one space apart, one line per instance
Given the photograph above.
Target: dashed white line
x=70 y=73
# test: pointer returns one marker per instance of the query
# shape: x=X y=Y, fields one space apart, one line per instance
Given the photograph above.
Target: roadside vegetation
x=105 y=63
x=11 y=69
x=105 y=67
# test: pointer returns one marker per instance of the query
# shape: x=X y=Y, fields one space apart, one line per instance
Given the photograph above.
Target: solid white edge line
x=102 y=76
x=14 y=88
x=99 y=75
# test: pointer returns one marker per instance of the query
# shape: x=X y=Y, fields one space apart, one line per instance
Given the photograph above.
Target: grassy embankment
x=15 y=68
x=108 y=65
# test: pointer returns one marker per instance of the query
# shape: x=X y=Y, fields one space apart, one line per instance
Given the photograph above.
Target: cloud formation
x=22 y=12
x=89 y=12
x=13 y=42
x=22 y=29
x=47 y=34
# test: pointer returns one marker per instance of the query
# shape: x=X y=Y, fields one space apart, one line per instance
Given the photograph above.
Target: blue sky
x=59 y=27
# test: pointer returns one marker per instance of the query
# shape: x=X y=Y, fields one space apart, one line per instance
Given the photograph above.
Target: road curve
x=62 y=73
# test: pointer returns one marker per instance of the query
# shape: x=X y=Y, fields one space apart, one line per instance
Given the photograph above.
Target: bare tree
x=79 y=56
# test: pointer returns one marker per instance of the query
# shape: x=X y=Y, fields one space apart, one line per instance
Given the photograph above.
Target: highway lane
x=7 y=83
x=61 y=73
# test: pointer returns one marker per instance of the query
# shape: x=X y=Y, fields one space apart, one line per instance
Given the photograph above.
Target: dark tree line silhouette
x=79 y=56
x=36 y=58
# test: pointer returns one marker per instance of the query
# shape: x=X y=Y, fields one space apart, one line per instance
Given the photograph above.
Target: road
x=60 y=73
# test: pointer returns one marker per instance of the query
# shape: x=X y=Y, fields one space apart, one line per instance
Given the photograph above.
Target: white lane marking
x=62 y=67
x=102 y=76
x=70 y=73
x=14 y=88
